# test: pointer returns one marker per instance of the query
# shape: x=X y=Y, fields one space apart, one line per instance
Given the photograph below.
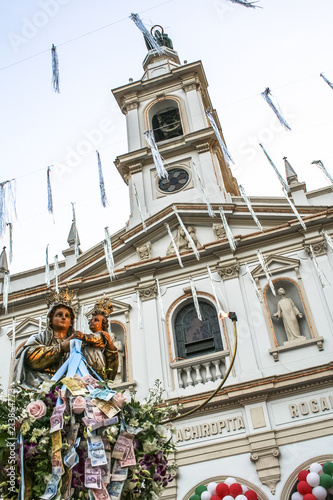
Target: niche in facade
x=165 y=120
x=119 y=341
x=193 y=336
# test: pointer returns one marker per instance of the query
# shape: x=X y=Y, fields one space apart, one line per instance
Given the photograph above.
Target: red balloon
x=215 y=497
x=222 y=490
x=309 y=496
x=303 y=488
x=235 y=489
x=251 y=495
x=302 y=475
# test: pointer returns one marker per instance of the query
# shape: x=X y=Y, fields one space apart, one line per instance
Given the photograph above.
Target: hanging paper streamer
x=316 y=265
x=76 y=236
x=49 y=191
x=10 y=229
x=195 y=299
x=320 y=165
x=101 y=181
x=267 y=96
x=246 y=4
x=213 y=287
x=281 y=179
x=14 y=336
x=249 y=206
x=294 y=209
x=225 y=151
x=187 y=234
x=152 y=43
x=108 y=253
x=258 y=293
x=7 y=204
x=139 y=309
x=174 y=244
x=328 y=239
x=139 y=207
x=204 y=193
x=47 y=267
x=55 y=69
x=159 y=296
x=231 y=240
x=5 y=292
x=56 y=273
x=40 y=324
x=327 y=81
x=266 y=271
x=158 y=160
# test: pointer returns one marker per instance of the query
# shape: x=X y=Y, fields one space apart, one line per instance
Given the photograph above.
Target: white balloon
x=228 y=497
x=244 y=488
x=315 y=467
x=211 y=487
x=205 y=495
x=240 y=497
x=229 y=481
x=313 y=479
x=296 y=496
x=319 y=492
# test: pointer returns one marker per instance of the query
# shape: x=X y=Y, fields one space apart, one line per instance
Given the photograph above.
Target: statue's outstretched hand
x=109 y=342
x=66 y=344
x=78 y=335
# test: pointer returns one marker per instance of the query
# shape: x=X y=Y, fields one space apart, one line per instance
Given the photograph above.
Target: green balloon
x=199 y=489
x=328 y=468
x=326 y=481
x=195 y=497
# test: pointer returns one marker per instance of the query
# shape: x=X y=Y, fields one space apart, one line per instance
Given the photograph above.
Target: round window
x=178 y=178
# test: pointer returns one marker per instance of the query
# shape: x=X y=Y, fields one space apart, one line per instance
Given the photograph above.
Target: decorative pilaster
x=266 y=458
x=148 y=292
x=228 y=272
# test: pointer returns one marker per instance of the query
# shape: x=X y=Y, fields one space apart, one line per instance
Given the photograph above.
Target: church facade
x=274 y=414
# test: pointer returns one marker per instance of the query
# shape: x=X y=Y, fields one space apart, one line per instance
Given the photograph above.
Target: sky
x=284 y=46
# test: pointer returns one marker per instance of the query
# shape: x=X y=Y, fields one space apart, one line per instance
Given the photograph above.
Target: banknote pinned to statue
x=96 y=451
x=108 y=407
x=92 y=476
x=75 y=385
x=119 y=473
x=123 y=445
x=51 y=487
x=57 y=418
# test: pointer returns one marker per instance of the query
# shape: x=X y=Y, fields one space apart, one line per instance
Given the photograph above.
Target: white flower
x=146 y=426
x=150 y=446
x=134 y=422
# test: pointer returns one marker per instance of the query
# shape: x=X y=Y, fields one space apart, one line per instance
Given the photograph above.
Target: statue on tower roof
x=161 y=38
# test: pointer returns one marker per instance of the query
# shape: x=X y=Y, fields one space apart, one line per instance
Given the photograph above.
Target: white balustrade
x=200 y=369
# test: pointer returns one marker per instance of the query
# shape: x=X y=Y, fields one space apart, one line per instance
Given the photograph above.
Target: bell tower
x=171 y=100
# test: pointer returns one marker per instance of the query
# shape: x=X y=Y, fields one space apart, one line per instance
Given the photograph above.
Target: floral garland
x=28 y=414
x=228 y=490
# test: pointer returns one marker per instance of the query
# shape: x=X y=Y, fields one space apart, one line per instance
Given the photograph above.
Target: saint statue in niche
x=289 y=314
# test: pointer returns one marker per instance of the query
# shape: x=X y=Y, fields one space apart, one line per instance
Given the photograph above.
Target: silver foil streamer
x=47 y=267
x=253 y=281
x=195 y=299
x=138 y=300
x=231 y=240
x=159 y=296
x=108 y=253
x=7 y=204
x=55 y=69
x=101 y=181
x=10 y=253
x=225 y=151
x=317 y=268
x=266 y=271
x=187 y=234
x=294 y=209
x=56 y=273
x=322 y=167
x=249 y=206
x=326 y=80
x=281 y=179
x=174 y=244
x=148 y=36
x=158 y=160
x=328 y=239
x=267 y=96
x=213 y=287
x=49 y=191
x=144 y=227
x=6 y=283
x=14 y=337
x=204 y=193
x=245 y=3
x=76 y=243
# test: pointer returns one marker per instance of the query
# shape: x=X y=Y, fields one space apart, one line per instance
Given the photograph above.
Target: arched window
x=194 y=337
x=165 y=120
